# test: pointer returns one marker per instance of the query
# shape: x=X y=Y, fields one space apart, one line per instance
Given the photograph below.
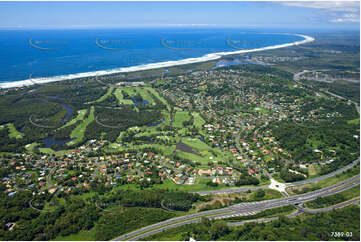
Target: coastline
x=208 y=57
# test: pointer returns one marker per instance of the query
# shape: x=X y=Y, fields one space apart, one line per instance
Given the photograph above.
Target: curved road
x=241 y=209
x=294 y=214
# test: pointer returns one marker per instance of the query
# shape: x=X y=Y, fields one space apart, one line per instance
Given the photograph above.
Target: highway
x=241 y=209
x=299 y=211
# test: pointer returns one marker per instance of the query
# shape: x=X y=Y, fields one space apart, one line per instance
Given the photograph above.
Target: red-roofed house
x=201 y=172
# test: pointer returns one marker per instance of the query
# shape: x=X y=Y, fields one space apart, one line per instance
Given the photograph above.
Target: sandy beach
x=208 y=57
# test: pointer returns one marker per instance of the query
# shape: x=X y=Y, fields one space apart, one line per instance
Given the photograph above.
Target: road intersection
x=242 y=209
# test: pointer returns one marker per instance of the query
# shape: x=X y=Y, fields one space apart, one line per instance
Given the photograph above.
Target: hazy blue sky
x=131 y=14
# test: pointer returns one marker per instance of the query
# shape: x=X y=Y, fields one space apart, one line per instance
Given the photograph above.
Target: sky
x=45 y=15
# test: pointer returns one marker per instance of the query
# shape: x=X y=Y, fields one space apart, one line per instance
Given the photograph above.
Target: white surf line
x=208 y=57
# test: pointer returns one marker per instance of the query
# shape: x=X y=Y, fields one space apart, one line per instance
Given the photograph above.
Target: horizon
x=92 y=15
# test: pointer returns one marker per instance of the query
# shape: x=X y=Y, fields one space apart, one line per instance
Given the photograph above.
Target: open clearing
x=78 y=132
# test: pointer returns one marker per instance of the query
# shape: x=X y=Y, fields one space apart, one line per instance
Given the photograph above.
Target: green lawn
x=205 y=150
x=193 y=157
x=261 y=110
x=131 y=91
x=79 y=131
x=313 y=170
x=354 y=121
x=30 y=147
x=334 y=199
x=105 y=96
x=199 y=185
x=80 y=116
x=80 y=236
x=179 y=118
x=198 y=120
x=50 y=151
x=118 y=94
x=156 y=94
x=166 y=150
x=13 y=133
x=145 y=95
x=324 y=183
x=196 y=144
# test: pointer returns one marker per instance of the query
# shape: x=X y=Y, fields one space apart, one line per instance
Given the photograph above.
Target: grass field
x=13 y=133
x=198 y=120
x=105 y=96
x=145 y=95
x=193 y=157
x=80 y=116
x=313 y=170
x=79 y=131
x=324 y=183
x=206 y=151
x=196 y=144
x=179 y=118
x=118 y=94
x=334 y=199
x=131 y=91
x=50 y=151
x=199 y=185
x=30 y=147
x=80 y=236
x=261 y=110
x=354 y=121
x=156 y=94
x=166 y=150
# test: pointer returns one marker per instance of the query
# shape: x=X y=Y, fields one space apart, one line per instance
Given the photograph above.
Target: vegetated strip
x=163 y=224
x=334 y=199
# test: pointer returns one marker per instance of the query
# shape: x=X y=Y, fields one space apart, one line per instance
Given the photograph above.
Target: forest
x=304 y=227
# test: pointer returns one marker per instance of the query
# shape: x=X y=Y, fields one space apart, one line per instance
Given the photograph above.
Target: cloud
x=336 y=11
x=347 y=18
x=346 y=6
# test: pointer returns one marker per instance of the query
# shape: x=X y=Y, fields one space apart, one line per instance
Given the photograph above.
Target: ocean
x=50 y=53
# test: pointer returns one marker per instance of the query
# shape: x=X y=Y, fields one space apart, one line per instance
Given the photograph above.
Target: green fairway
x=118 y=94
x=131 y=91
x=354 y=121
x=80 y=116
x=105 y=96
x=261 y=110
x=50 y=151
x=166 y=150
x=179 y=118
x=78 y=132
x=13 y=133
x=206 y=151
x=156 y=94
x=192 y=157
x=30 y=147
x=145 y=95
x=196 y=143
x=198 y=120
